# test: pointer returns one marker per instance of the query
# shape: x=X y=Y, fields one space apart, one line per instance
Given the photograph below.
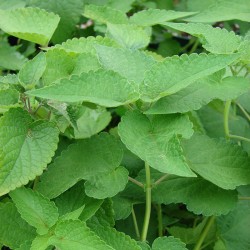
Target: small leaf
x=108 y=184
x=76 y=235
x=37 y=210
x=105 y=88
x=41 y=242
x=223 y=163
x=154 y=140
x=26 y=147
x=176 y=73
x=170 y=242
x=151 y=17
x=32 y=24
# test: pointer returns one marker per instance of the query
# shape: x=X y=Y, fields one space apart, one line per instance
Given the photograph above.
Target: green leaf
x=223 y=10
x=32 y=71
x=233 y=228
x=41 y=242
x=32 y=24
x=227 y=43
x=11 y=79
x=176 y=73
x=122 y=207
x=103 y=87
x=107 y=185
x=11 y=4
x=10 y=58
x=117 y=240
x=129 y=35
x=154 y=140
x=106 y=155
x=76 y=235
x=105 y=14
x=196 y=193
x=170 y=242
x=69 y=11
x=36 y=209
x=13 y=229
x=26 y=147
x=8 y=97
x=132 y=64
x=200 y=93
x=151 y=17
x=223 y=163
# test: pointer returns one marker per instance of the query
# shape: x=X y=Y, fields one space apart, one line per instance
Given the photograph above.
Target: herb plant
x=124 y=124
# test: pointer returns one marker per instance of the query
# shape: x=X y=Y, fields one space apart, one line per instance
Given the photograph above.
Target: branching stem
x=138 y=183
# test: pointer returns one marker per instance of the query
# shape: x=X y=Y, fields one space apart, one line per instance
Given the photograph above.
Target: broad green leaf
x=151 y=17
x=73 y=215
x=76 y=235
x=200 y=93
x=196 y=193
x=60 y=64
x=233 y=228
x=11 y=4
x=13 y=229
x=222 y=10
x=122 y=207
x=170 y=242
x=132 y=64
x=106 y=155
x=36 y=209
x=244 y=50
x=32 y=24
x=8 y=97
x=41 y=242
x=117 y=240
x=223 y=163
x=11 y=79
x=105 y=14
x=32 y=71
x=26 y=147
x=154 y=140
x=103 y=87
x=129 y=35
x=176 y=73
x=85 y=45
x=10 y=58
x=108 y=184
x=214 y=40
x=69 y=11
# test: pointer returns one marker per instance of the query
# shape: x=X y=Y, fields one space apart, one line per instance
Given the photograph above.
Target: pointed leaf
x=36 y=209
x=176 y=73
x=41 y=242
x=208 y=35
x=220 y=162
x=26 y=147
x=32 y=24
x=154 y=140
x=170 y=242
x=102 y=87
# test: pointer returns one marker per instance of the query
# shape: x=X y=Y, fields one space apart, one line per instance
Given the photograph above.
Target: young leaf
x=36 y=209
x=13 y=229
x=105 y=14
x=227 y=43
x=26 y=147
x=32 y=24
x=154 y=140
x=69 y=11
x=129 y=35
x=41 y=242
x=103 y=87
x=170 y=242
x=108 y=184
x=76 y=235
x=106 y=155
x=151 y=17
x=32 y=71
x=200 y=93
x=222 y=163
x=132 y=64
x=176 y=73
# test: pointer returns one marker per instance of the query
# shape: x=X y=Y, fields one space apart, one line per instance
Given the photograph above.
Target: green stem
x=159 y=217
x=244 y=198
x=138 y=183
x=226 y=118
x=193 y=49
x=244 y=111
x=240 y=138
x=204 y=233
x=165 y=176
x=137 y=232
x=148 y=204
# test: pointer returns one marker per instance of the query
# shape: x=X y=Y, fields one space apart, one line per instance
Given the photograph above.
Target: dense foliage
x=124 y=124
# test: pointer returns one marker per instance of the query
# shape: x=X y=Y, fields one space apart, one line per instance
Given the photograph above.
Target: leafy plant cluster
x=124 y=124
